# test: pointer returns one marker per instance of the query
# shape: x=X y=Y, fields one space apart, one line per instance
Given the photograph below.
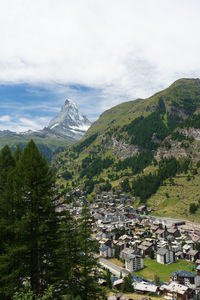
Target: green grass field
x=152 y=268
x=116 y=262
x=179 y=195
x=135 y=296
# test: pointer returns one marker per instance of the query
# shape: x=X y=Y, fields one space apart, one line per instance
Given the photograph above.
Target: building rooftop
x=175 y=287
x=162 y=251
x=145 y=287
x=183 y=273
x=104 y=248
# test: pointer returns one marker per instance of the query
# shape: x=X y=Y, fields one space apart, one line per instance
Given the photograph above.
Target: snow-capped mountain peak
x=69 y=122
x=70 y=102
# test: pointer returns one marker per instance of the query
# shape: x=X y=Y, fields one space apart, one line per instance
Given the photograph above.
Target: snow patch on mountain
x=54 y=126
x=69 y=122
x=82 y=128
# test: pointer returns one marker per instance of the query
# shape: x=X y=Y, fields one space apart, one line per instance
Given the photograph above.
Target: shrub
x=193 y=208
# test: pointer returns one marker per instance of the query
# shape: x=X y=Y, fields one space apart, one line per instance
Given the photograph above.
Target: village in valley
x=161 y=254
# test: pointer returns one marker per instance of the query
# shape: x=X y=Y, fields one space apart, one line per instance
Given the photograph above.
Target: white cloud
x=22 y=124
x=4 y=118
x=29 y=123
x=125 y=48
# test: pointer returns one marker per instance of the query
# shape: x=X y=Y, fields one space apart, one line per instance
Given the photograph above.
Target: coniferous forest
x=44 y=253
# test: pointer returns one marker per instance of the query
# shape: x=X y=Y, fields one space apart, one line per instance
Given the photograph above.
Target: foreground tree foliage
x=127 y=286
x=39 y=223
x=9 y=274
x=38 y=245
x=89 y=275
x=27 y=294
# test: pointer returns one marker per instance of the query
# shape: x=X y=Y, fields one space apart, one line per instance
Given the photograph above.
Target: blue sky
x=98 y=53
x=27 y=106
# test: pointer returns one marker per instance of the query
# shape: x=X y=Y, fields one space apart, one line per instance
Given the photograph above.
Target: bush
x=151 y=254
x=198 y=164
x=67 y=175
x=106 y=187
x=157 y=280
x=193 y=208
x=127 y=284
x=125 y=186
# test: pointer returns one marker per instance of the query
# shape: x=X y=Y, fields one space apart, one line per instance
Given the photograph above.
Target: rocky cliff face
x=69 y=123
x=185 y=148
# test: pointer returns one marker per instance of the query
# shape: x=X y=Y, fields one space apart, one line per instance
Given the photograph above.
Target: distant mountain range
x=5 y=132
x=66 y=128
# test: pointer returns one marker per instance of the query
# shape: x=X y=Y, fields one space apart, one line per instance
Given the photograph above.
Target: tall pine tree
x=69 y=255
x=35 y=197
x=9 y=276
x=88 y=286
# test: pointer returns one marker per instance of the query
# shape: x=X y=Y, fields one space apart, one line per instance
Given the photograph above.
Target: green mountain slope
x=129 y=148
x=181 y=98
x=175 y=198
x=47 y=146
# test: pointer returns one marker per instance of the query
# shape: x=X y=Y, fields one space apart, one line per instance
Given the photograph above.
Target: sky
x=98 y=53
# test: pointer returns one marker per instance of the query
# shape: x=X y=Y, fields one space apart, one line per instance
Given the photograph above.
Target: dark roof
x=113 y=278
x=136 y=278
x=132 y=256
x=104 y=248
x=153 y=282
x=183 y=273
x=111 y=234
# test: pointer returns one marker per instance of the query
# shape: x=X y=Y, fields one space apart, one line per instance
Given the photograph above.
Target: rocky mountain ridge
x=69 y=122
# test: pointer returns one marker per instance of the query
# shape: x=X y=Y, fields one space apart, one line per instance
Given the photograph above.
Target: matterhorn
x=69 y=123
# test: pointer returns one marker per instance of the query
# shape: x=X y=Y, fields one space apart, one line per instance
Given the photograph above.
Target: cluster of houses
x=131 y=235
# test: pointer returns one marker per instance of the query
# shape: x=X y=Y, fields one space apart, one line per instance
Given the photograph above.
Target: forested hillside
x=140 y=146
